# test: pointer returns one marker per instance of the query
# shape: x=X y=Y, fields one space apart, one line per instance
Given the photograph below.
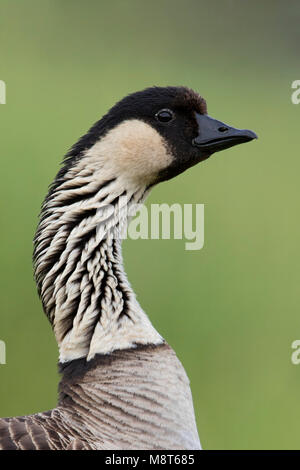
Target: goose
x=122 y=386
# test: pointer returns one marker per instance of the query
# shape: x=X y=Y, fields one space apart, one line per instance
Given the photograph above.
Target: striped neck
x=79 y=268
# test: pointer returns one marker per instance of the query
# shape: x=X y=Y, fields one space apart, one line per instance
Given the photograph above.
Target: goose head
x=155 y=134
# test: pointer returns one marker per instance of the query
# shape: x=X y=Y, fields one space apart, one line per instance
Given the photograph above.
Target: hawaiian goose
x=122 y=386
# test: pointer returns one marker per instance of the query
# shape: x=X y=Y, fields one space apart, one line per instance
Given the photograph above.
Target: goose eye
x=164 y=115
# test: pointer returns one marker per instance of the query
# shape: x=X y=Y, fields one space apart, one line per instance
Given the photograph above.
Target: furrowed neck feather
x=77 y=256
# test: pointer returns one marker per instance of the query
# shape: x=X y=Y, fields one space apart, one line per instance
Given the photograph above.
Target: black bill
x=215 y=135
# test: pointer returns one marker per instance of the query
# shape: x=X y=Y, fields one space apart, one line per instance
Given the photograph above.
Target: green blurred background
x=230 y=310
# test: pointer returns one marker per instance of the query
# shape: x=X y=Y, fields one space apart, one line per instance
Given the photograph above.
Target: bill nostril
x=223 y=129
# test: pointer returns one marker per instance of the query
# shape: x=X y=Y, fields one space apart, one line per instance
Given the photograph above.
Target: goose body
x=122 y=386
